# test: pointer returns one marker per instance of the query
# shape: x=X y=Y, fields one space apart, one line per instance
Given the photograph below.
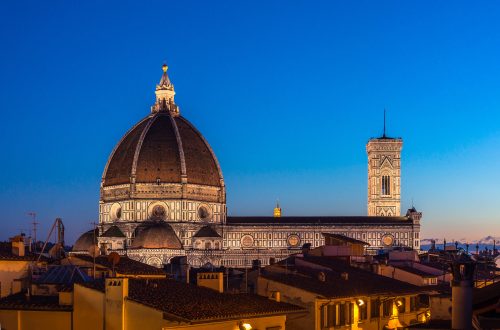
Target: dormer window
x=386 y=185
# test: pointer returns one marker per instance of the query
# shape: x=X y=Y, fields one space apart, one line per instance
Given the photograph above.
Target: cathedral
x=163 y=195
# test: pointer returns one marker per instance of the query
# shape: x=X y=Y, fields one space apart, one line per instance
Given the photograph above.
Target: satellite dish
x=114 y=258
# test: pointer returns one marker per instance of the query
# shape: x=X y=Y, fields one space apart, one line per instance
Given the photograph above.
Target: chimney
x=114 y=307
x=214 y=281
x=461 y=293
x=275 y=295
x=17 y=243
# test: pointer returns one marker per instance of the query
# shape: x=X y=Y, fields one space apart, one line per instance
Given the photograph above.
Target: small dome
x=86 y=241
x=156 y=235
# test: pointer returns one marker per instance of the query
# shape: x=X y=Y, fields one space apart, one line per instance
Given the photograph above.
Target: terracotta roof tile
x=358 y=283
x=19 y=301
x=125 y=266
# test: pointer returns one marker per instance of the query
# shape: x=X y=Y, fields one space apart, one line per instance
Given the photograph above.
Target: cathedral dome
x=156 y=235
x=86 y=241
x=163 y=148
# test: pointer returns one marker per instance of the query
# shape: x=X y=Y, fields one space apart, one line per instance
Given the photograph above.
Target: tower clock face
x=387 y=240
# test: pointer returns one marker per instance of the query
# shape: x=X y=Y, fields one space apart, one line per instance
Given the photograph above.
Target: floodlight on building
x=399 y=303
x=360 y=302
x=245 y=326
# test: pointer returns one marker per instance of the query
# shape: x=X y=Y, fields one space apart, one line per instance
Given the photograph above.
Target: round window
x=387 y=240
x=247 y=241
x=293 y=240
x=159 y=212
x=204 y=213
x=116 y=212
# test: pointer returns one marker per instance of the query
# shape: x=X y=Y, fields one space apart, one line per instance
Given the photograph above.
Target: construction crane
x=57 y=251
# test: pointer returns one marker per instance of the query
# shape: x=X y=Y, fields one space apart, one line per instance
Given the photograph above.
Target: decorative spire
x=165 y=95
x=384 y=124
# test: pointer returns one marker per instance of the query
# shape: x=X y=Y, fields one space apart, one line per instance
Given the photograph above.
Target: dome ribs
x=158 y=158
x=117 y=169
x=201 y=164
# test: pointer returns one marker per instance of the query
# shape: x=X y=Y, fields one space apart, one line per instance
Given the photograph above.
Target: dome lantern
x=165 y=95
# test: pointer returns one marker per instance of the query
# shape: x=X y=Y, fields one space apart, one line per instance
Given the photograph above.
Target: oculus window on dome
x=159 y=212
x=116 y=212
x=204 y=213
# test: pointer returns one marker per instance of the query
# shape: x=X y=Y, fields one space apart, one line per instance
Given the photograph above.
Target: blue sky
x=286 y=92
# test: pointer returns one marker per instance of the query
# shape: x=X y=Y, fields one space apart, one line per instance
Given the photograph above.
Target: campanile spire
x=165 y=95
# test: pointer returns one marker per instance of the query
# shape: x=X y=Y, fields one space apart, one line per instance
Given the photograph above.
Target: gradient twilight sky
x=286 y=92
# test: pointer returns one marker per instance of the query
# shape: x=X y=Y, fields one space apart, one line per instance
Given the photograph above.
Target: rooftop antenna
x=384 y=124
x=94 y=227
x=34 y=223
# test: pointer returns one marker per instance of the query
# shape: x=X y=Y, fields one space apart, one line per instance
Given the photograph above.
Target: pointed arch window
x=386 y=185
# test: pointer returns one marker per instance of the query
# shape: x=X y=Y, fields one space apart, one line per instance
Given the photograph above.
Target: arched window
x=386 y=185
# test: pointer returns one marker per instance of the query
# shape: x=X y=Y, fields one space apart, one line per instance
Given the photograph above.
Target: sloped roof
x=125 y=265
x=344 y=238
x=319 y=220
x=19 y=301
x=86 y=240
x=358 y=283
x=63 y=274
x=113 y=231
x=6 y=253
x=207 y=231
x=191 y=303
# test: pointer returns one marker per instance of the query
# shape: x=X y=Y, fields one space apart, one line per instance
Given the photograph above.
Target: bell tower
x=384 y=175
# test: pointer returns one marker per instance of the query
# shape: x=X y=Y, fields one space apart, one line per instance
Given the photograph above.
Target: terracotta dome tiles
x=164 y=147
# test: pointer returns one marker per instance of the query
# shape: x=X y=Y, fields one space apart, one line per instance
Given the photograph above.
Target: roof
x=125 y=265
x=206 y=231
x=6 y=253
x=19 y=301
x=344 y=238
x=318 y=220
x=415 y=271
x=196 y=303
x=113 y=231
x=190 y=303
x=163 y=147
x=488 y=295
x=86 y=240
x=359 y=282
x=156 y=235
x=63 y=274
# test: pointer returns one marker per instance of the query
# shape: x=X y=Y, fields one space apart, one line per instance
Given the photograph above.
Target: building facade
x=384 y=176
x=163 y=196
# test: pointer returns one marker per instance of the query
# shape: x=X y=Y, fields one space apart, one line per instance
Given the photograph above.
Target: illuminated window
x=386 y=185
